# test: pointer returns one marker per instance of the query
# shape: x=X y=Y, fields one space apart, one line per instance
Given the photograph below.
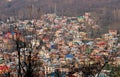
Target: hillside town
x=58 y=46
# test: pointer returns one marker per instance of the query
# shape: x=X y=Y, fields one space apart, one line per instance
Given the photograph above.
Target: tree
x=115 y=72
x=90 y=66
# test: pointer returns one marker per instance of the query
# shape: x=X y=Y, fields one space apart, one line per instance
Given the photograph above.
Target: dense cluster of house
x=63 y=43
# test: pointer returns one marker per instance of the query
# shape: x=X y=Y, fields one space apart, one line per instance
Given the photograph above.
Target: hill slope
x=22 y=8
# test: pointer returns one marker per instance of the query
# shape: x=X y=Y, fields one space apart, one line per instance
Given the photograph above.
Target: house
x=113 y=31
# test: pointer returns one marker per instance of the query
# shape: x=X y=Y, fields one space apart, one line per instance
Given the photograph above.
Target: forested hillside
x=107 y=10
